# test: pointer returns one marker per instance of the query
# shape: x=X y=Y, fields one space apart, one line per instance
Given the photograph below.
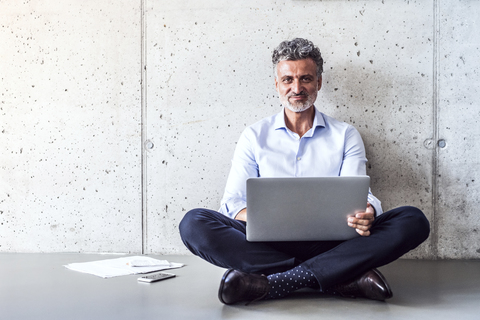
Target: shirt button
x=299 y=158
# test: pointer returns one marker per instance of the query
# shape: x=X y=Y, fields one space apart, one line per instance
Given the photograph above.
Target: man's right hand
x=242 y=215
x=362 y=221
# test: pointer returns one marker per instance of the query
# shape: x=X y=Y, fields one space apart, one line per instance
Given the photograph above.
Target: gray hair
x=297 y=49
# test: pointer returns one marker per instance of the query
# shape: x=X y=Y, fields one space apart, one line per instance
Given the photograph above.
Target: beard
x=298 y=106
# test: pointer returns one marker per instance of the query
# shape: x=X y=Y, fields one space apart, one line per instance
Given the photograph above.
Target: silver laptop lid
x=304 y=209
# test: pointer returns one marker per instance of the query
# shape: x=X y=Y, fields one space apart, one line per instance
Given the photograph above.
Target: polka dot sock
x=281 y=284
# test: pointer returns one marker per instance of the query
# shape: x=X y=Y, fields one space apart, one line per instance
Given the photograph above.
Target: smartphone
x=156 y=277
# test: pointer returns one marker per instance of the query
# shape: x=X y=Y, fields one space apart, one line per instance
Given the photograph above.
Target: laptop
x=304 y=209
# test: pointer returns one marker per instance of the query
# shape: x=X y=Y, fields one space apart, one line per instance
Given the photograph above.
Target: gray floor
x=37 y=286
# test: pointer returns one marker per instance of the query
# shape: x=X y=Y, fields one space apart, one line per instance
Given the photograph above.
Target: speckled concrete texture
x=70 y=126
x=118 y=117
x=210 y=75
x=458 y=176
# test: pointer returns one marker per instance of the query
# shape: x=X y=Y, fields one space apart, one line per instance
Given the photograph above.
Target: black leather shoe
x=238 y=286
x=371 y=285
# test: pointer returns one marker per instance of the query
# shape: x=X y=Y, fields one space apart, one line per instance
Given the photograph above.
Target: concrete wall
x=118 y=117
x=70 y=125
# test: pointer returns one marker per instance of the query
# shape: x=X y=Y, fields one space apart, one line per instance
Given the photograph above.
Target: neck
x=299 y=122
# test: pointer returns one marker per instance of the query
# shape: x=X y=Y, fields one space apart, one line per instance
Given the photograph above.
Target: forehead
x=296 y=68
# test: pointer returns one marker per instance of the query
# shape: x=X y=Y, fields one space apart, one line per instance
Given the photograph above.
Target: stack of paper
x=123 y=266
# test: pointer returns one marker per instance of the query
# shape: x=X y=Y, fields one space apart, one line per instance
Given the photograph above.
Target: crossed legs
x=221 y=241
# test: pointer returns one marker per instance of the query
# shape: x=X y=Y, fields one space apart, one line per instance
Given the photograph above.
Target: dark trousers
x=222 y=242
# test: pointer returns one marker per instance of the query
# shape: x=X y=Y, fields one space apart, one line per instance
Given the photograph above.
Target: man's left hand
x=362 y=221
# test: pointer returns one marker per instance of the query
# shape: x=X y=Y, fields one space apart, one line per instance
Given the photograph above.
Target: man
x=300 y=141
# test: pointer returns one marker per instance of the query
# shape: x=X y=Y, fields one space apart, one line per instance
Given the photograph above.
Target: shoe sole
x=222 y=283
x=387 y=286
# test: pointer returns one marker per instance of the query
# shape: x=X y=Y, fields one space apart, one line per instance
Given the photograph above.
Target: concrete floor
x=37 y=286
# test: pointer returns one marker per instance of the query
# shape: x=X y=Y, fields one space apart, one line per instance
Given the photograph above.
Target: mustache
x=293 y=94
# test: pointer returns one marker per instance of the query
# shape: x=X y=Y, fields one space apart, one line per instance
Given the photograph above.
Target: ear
x=276 y=83
x=319 y=83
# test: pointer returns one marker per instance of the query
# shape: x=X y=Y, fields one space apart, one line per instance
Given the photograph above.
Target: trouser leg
x=222 y=242
x=393 y=234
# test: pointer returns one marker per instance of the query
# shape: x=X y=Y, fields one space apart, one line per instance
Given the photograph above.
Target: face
x=297 y=84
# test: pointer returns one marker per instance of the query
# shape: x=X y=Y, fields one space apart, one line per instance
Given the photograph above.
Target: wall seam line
x=436 y=62
x=143 y=94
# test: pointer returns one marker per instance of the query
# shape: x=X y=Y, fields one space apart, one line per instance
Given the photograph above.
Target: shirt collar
x=279 y=121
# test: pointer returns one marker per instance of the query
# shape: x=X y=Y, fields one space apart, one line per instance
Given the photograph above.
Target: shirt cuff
x=231 y=209
x=376 y=204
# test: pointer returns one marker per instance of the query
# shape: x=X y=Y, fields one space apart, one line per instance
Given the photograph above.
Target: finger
x=363 y=233
x=359 y=226
x=365 y=215
x=362 y=222
x=362 y=227
x=368 y=211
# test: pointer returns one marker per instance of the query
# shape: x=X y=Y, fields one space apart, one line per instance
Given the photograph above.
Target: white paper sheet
x=122 y=266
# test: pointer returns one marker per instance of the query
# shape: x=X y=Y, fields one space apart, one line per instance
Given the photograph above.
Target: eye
x=287 y=80
x=307 y=79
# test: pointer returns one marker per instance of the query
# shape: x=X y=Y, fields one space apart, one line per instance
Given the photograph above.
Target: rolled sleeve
x=354 y=163
x=377 y=204
x=243 y=167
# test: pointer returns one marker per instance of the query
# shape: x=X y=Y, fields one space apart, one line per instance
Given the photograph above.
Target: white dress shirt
x=269 y=149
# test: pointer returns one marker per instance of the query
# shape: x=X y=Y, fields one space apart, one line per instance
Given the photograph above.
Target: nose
x=297 y=86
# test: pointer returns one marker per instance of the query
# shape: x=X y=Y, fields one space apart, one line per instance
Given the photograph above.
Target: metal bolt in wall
x=149 y=145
